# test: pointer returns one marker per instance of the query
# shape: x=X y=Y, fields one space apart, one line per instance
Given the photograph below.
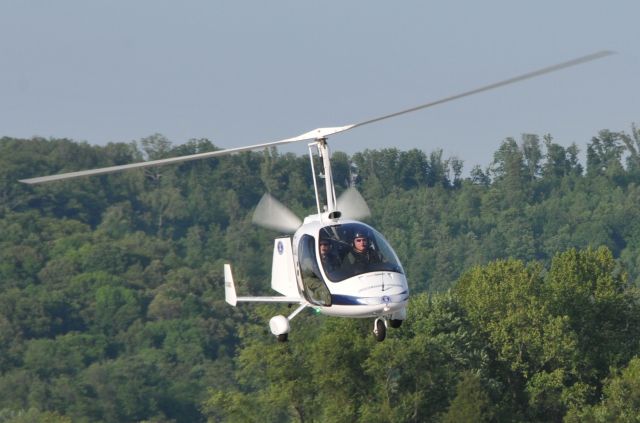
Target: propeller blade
x=272 y=214
x=352 y=205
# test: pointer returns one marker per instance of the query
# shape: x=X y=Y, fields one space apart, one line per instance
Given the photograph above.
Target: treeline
x=111 y=291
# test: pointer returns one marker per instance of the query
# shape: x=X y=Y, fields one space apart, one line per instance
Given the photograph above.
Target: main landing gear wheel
x=283 y=337
x=379 y=329
x=395 y=323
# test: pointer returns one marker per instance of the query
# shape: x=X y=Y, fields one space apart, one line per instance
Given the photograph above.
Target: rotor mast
x=324 y=153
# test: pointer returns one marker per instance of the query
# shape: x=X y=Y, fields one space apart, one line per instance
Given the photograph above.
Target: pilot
x=330 y=261
x=361 y=254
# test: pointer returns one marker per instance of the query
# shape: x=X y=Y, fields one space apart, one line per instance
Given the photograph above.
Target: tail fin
x=229 y=287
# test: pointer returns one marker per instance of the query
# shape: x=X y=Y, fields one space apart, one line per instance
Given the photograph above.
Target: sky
x=247 y=72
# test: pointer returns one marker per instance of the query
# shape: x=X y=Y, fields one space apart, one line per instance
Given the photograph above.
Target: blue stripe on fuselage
x=351 y=300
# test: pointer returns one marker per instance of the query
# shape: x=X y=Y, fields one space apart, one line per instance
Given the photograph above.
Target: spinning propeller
x=352 y=205
x=272 y=214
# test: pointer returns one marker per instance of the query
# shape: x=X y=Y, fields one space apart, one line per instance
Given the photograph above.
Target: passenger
x=330 y=261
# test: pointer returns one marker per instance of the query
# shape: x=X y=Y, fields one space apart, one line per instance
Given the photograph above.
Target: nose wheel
x=380 y=329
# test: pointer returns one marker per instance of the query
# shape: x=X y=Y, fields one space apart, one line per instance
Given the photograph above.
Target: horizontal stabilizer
x=232 y=298
x=271 y=299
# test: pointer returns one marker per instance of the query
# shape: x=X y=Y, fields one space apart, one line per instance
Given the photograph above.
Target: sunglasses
x=361 y=240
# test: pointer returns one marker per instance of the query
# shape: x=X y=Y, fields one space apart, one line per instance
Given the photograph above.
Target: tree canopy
x=524 y=279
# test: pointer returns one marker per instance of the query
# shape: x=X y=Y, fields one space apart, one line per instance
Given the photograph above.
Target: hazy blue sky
x=240 y=72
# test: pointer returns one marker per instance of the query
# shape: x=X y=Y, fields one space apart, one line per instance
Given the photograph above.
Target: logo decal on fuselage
x=280 y=247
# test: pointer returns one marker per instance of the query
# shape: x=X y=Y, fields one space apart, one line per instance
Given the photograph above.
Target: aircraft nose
x=384 y=285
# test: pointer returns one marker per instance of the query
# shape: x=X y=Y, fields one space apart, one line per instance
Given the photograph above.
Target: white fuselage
x=368 y=295
x=373 y=290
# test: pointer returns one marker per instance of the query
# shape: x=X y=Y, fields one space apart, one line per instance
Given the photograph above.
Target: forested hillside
x=524 y=279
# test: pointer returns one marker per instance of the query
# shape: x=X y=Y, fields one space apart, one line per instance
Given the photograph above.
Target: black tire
x=381 y=330
x=284 y=337
x=395 y=323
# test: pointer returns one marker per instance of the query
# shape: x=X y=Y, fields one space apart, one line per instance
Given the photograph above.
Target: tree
x=126 y=389
x=471 y=404
x=532 y=154
x=632 y=142
x=32 y=415
x=589 y=290
x=116 y=309
x=111 y=304
x=509 y=173
x=480 y=177
x=275 y=381
x=556 y=164
x=505 y=300
x=620 y=402
x=604 y=153
x=414 y=373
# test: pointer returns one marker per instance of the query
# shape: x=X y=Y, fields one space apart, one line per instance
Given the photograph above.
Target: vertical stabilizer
x=283 y=273
x=229 y=287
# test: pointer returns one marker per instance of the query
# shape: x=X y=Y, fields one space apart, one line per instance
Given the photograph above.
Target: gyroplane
x=331 y=262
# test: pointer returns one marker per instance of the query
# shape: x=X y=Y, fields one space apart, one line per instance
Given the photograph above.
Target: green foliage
x=523 y=276
x=31 y=415
x=554 y=333
x=415 y=373
x=116 y=309
x=471 y=403
x=620 y=402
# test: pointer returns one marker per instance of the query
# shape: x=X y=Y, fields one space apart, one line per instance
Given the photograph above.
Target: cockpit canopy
x=351 y=249
x=341 y=251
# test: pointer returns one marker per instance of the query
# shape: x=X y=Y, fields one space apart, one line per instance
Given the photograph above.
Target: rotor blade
x=272 y=214
x=352 y=205
x=321 y=132
x=316 y=133
x=536 y=73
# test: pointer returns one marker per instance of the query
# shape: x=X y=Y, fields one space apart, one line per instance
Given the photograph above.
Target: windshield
x=352 y=249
